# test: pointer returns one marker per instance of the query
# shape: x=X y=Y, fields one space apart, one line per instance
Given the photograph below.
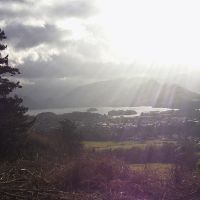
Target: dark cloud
x=13 y=15
x=60 y=66
x=26 y=36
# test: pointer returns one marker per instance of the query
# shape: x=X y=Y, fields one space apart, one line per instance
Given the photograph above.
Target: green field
x=104 y=145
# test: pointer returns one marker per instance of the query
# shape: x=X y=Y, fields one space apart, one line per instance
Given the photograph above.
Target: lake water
x=101 y=110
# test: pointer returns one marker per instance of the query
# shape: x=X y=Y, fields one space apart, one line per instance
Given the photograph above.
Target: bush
x=90 y=173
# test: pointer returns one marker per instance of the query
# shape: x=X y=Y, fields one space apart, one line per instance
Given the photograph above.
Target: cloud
x=13 y=1
x=10 y=15
x=49 y=24
x=57 y=66
x=13 y=10
x=26 y=36
x=66 y=66
x=80 y=9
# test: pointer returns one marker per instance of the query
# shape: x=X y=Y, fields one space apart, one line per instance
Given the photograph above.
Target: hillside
x=132 y=92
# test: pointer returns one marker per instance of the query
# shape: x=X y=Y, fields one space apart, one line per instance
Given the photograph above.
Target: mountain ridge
x=123 y=92
x=131 y=92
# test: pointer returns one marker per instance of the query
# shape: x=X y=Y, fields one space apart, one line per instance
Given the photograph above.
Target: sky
x=65 y=43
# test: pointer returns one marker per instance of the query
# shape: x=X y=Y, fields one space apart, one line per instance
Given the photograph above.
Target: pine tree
x=13 y=121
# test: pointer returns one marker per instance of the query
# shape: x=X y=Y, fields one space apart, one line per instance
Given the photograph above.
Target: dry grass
x=95 y=177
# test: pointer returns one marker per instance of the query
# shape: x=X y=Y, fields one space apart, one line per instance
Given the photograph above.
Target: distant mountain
x=34 y=103
x=119 y=92
x=132 y=92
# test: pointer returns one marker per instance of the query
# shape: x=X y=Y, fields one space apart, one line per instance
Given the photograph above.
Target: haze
x=59 y=45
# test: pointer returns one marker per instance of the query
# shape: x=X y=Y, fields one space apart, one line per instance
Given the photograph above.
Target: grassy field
x=104 y=145
x=159 y=167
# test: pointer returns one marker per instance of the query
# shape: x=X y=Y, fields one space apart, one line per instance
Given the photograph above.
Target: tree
x=71 y=139
x=13 y=121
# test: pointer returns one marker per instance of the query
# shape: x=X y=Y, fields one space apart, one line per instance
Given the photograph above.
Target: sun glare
x=152 y=32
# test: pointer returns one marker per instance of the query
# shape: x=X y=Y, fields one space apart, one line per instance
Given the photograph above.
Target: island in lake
x=121 y=112
x=92 y=109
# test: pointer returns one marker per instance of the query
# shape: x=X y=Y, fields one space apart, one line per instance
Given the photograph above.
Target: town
x=171 y=124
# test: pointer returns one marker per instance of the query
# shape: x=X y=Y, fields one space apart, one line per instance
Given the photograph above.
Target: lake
x=100 y=110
